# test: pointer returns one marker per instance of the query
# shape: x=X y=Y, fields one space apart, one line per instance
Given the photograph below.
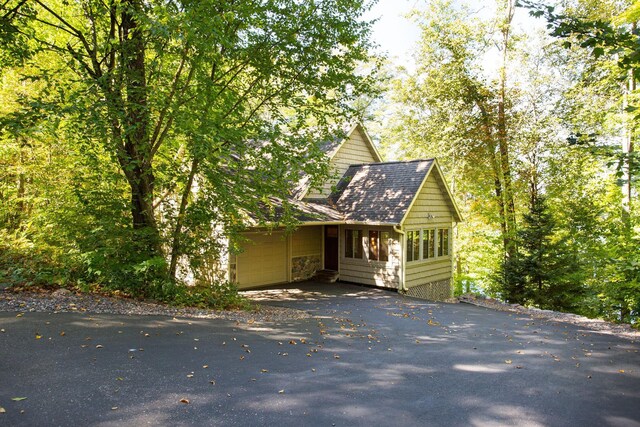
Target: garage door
x=263 y=262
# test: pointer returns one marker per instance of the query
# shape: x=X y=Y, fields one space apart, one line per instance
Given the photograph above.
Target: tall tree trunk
x=137 y=143
x=503 y=139
x=628 y=149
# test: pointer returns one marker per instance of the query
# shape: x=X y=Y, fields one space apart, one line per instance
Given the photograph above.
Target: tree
x=454 y=108
x=611 y=40
x=169 y=97
x=545 y=272
x=616 y=38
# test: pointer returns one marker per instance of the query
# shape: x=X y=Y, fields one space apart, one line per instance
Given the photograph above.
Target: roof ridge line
x=393 y=162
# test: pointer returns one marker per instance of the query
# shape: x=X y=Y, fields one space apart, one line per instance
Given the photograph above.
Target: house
x=386 y=224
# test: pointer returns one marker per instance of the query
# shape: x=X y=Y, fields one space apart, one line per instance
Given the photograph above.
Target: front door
x=331 y=247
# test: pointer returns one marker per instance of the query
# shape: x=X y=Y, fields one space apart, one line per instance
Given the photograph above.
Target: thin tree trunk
x=503 y=140
x=175 y=246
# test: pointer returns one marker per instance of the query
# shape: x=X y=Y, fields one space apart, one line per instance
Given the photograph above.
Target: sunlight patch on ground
x=483 y=369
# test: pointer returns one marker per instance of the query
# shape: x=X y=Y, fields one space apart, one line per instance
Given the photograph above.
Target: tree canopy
x=155 y=115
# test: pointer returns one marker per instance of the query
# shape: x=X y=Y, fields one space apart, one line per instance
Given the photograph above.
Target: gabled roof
x=330 y=148
x=380 y=193
x=374 y=194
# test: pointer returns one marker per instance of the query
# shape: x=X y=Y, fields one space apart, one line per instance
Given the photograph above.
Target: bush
x=215 y=296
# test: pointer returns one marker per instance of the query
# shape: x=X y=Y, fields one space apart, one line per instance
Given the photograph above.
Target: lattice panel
x=434 y=291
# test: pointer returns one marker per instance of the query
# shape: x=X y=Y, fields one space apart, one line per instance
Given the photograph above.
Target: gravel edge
x=598 y=325
x=63 y=300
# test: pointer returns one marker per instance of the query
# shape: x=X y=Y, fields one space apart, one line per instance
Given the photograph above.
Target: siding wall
x=430 y=210
x=306 y=252
x=353 y=151
x=307 y=241
x=376 y=273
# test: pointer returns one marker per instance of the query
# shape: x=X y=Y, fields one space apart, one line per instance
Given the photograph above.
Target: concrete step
x=328 y=276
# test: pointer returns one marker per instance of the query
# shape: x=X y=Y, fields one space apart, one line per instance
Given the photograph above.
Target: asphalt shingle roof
x=379 y=192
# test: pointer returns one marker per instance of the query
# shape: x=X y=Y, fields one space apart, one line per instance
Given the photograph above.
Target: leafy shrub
x=216 y=296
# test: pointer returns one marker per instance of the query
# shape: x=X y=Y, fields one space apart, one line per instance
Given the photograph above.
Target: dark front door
x=331 y=247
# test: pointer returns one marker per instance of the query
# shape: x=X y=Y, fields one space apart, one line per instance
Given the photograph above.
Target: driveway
x=368 y=357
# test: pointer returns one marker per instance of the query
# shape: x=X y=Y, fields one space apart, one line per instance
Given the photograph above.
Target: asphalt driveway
x=368 y=357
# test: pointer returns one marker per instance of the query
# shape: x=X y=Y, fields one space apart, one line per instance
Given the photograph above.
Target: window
x=379 y=245
x=428 y=243
x=443 y=242
x=353 y=244
x=413 y=245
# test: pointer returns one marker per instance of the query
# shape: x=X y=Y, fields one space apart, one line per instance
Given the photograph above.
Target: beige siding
x=307 y=241
x=430 y=210
x=376 y=273
x=354 y=151
x=264 y=260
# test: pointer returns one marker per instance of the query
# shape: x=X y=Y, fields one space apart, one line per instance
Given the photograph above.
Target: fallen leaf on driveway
x=264 y=370
x=99 y=346
x=38 y=336
x=185 y=401
x=18 y=399
x=2 y=410
x=113 y=408
x=621 y=371
x=508 y=362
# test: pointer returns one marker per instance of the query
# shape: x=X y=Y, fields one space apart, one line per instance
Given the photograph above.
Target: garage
x=264 y=260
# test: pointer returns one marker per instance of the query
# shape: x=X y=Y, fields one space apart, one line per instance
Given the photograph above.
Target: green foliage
x=24 y=264
x=545 y=272
x=133 y=135
x=222 y=296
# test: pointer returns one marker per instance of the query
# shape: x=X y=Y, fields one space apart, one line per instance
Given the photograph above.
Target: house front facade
x=386 y=224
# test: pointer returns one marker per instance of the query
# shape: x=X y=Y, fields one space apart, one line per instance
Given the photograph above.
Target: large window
x=443 y=241
x=427 y=243
x=413 y=245
x=379 y=245
x=353 y=244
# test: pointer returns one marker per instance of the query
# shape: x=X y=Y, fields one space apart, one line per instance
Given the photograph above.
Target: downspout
x=398 y=230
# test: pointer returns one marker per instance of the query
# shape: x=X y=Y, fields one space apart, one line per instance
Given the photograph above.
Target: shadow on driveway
x=368 y=357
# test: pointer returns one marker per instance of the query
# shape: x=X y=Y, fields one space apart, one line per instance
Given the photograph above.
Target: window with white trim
x=379 y=245
x=413 y=245
x=353 y=244
x=428 y=243
x=443 y=241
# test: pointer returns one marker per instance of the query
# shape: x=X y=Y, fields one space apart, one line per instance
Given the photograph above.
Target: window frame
x=431 y=248
x=411 y=246
x=444 y=250
x=351 y=250
x=380 y=241
x=435 y=236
